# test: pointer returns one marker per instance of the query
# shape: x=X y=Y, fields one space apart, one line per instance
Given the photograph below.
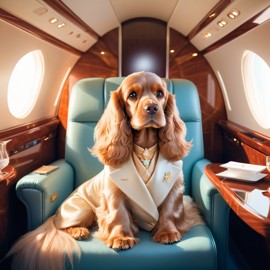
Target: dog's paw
x=78 y=233
x=120 y=243
x=167 y=237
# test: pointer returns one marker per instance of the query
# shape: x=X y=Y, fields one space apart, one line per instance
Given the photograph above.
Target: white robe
x=144 y=198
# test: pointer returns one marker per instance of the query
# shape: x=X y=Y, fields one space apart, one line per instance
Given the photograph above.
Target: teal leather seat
x=203 y=247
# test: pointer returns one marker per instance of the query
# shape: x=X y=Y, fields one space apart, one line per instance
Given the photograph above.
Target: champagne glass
x=4 y=157
x=268 y=163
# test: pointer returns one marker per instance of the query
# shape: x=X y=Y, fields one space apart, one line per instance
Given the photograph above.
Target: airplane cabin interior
x=60 y=61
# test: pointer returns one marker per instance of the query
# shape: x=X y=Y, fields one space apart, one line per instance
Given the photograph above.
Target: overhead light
x=207 y=35
x=233 y=14
x=212 y=15
x=221 y=23
x=171 y=51
x=53 y=20
x=195 y=54
x=61 y=25
x=102 y=52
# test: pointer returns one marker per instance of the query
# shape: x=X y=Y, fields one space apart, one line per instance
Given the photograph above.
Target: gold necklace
x=145 y=155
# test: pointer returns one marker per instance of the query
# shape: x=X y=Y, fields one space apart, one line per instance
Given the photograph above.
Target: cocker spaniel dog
x=140 y=139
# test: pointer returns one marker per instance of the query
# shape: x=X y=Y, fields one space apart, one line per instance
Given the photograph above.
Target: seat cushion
x=196 y=250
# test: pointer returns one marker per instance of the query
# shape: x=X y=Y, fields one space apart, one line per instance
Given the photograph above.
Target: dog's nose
x=151 y=108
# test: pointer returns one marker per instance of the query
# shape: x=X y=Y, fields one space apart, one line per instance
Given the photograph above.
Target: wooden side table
x=250 y=201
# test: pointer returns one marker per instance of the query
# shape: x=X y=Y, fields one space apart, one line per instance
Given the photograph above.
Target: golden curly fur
x=126 y=121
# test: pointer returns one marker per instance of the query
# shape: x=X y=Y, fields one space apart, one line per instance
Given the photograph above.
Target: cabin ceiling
x=102 y=16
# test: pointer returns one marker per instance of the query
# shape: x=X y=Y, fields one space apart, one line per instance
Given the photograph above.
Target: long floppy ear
x=172 y=143
x=113 y=135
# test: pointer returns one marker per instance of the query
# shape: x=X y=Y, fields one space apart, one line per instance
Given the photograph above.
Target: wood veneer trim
x=217 y=9
x=66 y=12
x=242 y=29
x=30 y=135
x=25 y=127
x=252 y=138
x=27 y=27
x=253 y=219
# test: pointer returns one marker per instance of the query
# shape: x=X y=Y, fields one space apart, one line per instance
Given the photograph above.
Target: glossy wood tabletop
x=250 y=201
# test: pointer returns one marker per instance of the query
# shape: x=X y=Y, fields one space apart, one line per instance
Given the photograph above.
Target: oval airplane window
x=24 y=84
x=256 y=78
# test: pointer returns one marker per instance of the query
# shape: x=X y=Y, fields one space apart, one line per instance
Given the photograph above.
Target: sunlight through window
x=24 y=84
x=256 y=77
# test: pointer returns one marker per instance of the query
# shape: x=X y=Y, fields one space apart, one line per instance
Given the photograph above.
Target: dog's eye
x=132 y=95
x=160 y=94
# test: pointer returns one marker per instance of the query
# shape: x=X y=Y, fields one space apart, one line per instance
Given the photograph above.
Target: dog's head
x=144 y=96
x=142 y=101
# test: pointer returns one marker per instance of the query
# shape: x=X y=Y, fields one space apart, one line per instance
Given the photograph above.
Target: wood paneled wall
x=144 y=46
x=101 y=61
x=244 y=145
x=187 y=63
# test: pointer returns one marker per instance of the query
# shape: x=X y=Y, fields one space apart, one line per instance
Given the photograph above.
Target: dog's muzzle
x=151 y=109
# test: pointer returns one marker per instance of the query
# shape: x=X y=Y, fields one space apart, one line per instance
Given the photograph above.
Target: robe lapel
x=147 y=197
x=163 y=179
x=129 y=181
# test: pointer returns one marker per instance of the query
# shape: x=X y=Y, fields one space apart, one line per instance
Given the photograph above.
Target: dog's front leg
x=116 y=226
x=171 y=214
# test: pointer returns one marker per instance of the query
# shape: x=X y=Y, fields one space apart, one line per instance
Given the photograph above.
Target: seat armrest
x=43 y=194
x=203 y=190
x=214 y=209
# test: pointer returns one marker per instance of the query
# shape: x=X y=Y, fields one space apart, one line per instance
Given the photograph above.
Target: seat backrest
x=88 y=100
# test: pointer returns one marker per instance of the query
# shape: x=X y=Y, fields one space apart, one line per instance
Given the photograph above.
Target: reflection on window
x=256 y=77
x=24 y=84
